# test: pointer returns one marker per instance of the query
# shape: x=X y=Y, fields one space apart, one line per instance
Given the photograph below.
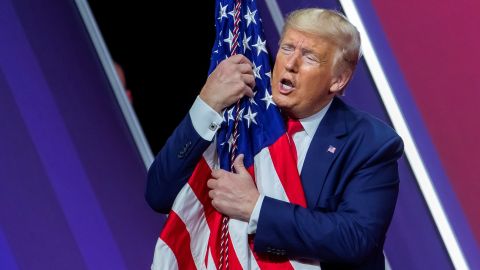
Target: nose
x=292 y=62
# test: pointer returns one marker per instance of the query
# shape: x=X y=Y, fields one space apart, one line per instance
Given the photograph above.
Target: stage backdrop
x=72 y=177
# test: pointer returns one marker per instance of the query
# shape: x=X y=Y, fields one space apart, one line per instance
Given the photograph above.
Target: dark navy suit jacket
x=350 y=194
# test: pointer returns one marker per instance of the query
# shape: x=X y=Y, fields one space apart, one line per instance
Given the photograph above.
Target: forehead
x=306 y=40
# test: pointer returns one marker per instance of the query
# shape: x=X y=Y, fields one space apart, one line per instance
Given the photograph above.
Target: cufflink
x=213 y=127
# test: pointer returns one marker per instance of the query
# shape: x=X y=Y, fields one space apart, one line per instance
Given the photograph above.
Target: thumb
x=238 y=164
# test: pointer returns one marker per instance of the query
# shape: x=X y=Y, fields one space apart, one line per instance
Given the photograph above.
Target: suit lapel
x=324 y=148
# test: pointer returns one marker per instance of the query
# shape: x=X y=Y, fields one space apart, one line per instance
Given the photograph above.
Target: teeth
x=287 y=87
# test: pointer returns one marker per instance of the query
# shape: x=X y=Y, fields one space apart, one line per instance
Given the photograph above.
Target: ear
x=340 y=81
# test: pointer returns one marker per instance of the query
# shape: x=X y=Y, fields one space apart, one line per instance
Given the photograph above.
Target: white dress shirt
x=206 y=122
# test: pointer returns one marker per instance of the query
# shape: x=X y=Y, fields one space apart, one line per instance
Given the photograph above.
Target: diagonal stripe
x=286 y=168
x=164 y=258
x=198 y=186
x=268 y=182
x=175 y=235
x=238 y=237
x=190 y=211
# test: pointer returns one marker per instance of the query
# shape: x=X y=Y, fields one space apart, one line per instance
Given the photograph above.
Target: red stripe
x=287 y=170
x=265 y=262
x=198 y=183
x=176 y=236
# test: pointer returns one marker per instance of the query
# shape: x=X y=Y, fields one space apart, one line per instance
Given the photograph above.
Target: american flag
x=191 y=236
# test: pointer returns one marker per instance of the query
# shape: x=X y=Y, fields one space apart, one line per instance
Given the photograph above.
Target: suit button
x=185 y=149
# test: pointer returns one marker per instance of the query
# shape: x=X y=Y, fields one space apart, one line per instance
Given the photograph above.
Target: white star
x=232 y=13
x=256 y=70
x=252 y=99
x=260 y=45
x=230 y=114
x=250 y=17
x=268 y=99
x=229 y=40
x=230 y=142
x=223 y=12
x=250 y=117
x=269 y=74
x=245 y=42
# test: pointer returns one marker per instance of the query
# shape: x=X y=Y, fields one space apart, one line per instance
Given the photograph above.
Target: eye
x=310 y=58
x=287 y=49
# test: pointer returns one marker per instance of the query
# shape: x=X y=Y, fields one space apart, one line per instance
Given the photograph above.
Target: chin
x=281 y=101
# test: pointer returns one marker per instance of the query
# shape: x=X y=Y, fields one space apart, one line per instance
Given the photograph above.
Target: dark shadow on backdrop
x=165 y=65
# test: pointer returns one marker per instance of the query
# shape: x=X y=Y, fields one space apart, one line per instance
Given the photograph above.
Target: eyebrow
x=322 y=57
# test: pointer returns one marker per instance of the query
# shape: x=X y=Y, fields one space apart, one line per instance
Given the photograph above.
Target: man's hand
x=231 y=80
x=233 y=194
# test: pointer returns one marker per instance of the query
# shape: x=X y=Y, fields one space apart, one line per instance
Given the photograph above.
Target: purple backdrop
x=71 y=177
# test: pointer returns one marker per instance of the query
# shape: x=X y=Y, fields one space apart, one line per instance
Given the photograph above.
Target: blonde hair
x=333 y=26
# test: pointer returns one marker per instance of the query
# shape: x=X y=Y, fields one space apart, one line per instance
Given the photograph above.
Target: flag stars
x=240 y=114
x=260 y=45
x=256 y=71
x=245 y=42
x=268 y=99
x=230 y=114
x=250 y=16
x=250 y=117
x=229 y=40
x=222 y=13
x=252 y=99
x=230 y=142
x=269 y=74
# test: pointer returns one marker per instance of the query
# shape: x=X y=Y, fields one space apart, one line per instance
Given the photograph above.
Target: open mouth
x=287 y=84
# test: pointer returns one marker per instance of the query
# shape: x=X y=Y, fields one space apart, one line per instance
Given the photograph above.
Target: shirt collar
x=310 y=124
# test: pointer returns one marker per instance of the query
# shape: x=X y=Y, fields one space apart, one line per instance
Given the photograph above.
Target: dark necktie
x=293 y=126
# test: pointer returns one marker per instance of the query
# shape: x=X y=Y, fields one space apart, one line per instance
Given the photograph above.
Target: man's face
x=303 y=76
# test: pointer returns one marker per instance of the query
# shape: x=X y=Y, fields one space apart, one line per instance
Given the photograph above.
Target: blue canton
x=260 y=122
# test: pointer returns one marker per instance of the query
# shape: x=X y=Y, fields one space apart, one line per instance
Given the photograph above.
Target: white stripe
x=239 y=238
x=411 y=151
x=163 y=257
x=253 y=262
x=211 y=263
x=211 y=157
x=190 y=211
x=269 y=184
x=266 y=176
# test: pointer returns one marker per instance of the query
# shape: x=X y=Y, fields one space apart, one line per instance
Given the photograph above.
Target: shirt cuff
x=252 y=223
x=205 y=120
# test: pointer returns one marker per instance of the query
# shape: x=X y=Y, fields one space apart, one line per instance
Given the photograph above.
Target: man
x=347 y=159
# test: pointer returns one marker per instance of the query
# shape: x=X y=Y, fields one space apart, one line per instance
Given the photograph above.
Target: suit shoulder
x=370 y=128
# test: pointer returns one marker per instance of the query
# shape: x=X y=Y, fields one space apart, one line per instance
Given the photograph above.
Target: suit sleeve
x=173 y=166
x=348 y=234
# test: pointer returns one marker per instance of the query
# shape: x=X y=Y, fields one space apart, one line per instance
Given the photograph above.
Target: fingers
x=249 y=81
x=212 y=183
x=245 y=68
x=238 y=164
x=240 y=59
x=218 y=173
